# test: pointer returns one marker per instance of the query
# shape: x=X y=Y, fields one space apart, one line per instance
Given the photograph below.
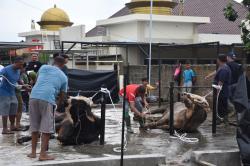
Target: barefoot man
x=8 y=100
x=51 y=81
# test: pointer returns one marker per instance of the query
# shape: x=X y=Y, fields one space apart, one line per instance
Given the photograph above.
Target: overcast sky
x=16 y=15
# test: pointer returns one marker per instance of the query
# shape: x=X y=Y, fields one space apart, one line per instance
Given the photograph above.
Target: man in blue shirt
x=50 y=83
x=8 y=101
x=223 y=78
x=188 y=76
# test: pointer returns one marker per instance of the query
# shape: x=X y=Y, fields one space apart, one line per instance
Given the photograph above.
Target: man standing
x=188 y=76
x=8 y=100
x=66 y=60
x=135 y=100
x=1 y=67
x=223 y=78
x=65 y=68
x=236 y=70
x=51 y=81
x=34 y=64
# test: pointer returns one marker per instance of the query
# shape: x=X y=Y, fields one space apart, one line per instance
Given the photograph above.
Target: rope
x=80 y=126
x=219 y=88
x=184 y=138
x=17 y=86
x=106 y=91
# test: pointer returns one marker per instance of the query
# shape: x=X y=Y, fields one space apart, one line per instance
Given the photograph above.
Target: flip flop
x=7 y=133
x=22 y=128
x=47 y=158
x=15 y=129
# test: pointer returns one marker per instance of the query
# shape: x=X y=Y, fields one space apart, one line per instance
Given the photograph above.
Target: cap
x=231 y=55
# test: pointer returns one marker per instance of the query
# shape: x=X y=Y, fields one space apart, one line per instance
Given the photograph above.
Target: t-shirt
x=24 y=80
x=224 y=75
x=236 y=70
x=13 y=75
x=50 y=82
x=34 y=66
x=188 y=75
x=130 y=92
x=65 y=70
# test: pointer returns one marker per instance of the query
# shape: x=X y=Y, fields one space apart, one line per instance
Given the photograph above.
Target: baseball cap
x=231 y=55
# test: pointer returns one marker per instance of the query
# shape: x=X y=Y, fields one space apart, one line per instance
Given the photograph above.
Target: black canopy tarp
x=87 y=82
x=241 y=99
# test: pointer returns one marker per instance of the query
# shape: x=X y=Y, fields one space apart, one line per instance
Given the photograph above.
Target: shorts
x=41 y=116
x=187 y=87
x=8 y=105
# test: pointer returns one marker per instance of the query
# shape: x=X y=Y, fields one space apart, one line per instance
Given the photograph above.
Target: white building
x=173 y=23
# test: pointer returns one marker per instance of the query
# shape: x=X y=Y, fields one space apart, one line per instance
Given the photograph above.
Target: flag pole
x=150 y=41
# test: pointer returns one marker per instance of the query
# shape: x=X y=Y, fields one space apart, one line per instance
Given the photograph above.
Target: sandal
x=7 y=132
x=21 y=128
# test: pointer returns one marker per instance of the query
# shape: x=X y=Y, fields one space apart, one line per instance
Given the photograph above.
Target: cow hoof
x=131 y=131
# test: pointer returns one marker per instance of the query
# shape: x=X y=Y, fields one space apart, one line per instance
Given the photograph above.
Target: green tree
x=232 y=15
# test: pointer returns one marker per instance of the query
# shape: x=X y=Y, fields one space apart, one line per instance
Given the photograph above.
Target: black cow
x=80 y=125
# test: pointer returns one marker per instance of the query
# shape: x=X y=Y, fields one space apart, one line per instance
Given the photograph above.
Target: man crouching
x=51 y=81
x=136 y=101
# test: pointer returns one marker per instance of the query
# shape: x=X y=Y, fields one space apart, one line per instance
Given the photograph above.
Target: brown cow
x=188 y=115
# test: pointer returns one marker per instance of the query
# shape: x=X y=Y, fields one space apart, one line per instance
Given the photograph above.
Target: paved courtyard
x=142 y=142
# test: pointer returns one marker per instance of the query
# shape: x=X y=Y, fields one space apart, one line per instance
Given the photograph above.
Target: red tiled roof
x=202 y=8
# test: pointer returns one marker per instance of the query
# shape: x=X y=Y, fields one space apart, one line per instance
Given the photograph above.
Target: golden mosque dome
x=54 y=18
x=160 y=7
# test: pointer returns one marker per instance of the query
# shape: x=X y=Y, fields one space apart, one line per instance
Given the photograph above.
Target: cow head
x=196 y=100
x=77 y=108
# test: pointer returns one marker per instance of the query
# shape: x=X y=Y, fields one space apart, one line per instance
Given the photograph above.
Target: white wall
x=222 y=38
x=169 y=32
x=163 y=32
x=96 y=39
x=123 y=32
x=74 y=33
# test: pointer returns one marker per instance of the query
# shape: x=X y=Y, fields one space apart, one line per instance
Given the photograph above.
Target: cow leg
x=163 y=127
x=162 y=121
x=153 y=119
x=157 y=110
x=58 y=126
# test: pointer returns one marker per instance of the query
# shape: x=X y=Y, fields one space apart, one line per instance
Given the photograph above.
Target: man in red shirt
x=135 y=99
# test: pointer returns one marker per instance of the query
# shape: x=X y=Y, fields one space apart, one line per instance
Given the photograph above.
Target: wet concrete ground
x=142 y=142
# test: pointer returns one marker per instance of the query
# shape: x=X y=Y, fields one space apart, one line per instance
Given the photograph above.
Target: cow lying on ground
x=188 y=115
x=78 y=125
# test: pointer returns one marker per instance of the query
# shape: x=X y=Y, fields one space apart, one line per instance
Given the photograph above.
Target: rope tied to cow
x=106 y=91
x=219 y=88
x=183 y=137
